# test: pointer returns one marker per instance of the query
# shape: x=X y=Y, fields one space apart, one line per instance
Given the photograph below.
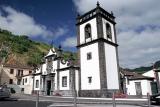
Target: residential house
x=12 y=74
x=135 y=84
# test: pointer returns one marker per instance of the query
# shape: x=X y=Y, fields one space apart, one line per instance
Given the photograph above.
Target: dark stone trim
x=102 y=68
x=117 y=56
x=79 y=71
x=36 y=74
x=79 y=23
x=58 y=67
x=68 y=68
x=99 y=26
x=141 y=79
x=65 y=92
x=96 y=93
x=97 y=40
x=108 y=19
x=102 y=59
x=91 y=14
x=79 y=57
x=50 y=56
x=78 y=35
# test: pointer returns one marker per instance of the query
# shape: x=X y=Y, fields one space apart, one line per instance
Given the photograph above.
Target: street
x=20 y=100
x=16 y=103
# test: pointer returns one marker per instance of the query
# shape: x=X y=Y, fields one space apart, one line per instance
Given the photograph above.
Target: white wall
x=93 y=30
x=37 y=77
x=62 y=74
x=90 y=68
x=44 y=71
x=145 y=86
x=63 y=65
x=149 y=73
x=77 y=79
x=104 y=21
x=111 y=67
x=28 y=86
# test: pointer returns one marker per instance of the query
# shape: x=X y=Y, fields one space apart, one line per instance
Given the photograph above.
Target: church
x=95 y=73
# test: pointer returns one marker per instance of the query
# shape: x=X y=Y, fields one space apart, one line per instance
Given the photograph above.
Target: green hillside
x=22 y=49
x=147 y=68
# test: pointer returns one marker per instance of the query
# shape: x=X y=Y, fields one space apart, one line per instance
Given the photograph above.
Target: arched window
x=87 y=30
x=108 y=31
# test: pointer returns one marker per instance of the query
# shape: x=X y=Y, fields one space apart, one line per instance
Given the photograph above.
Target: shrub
x=13 y=91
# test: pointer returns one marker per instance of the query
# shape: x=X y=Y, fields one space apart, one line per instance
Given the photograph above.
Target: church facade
x=96 y=73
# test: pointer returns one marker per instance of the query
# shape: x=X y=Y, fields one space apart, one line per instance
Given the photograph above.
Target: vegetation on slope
x=147 y=68
x=23 y=50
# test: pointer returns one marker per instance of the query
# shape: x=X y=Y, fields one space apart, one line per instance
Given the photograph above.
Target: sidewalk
x=95 y=105
x=82 y=100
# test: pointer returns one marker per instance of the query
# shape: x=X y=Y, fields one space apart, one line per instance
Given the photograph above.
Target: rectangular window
x=30 y=72
x=26 y=80
x=19 y=82
x=64 y=81
x=10 y=81
x=20 y=73
x=89 y=79
x=23 y=82
x=37 y=83
x=11 y=71
x=89 y=56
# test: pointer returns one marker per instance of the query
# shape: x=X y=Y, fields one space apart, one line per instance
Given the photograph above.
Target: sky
x=138 y=24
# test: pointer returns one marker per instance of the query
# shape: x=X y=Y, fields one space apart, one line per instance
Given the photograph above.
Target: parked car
x=155 y=98
x=4 y=92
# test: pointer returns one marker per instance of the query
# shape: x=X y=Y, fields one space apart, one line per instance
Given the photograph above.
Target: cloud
x=22 y=24
x=60 y=31
x=138 y=28
x=69 y=42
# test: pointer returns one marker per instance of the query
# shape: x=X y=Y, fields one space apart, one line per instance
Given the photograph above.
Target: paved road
x=80 y=100
x=16 y=103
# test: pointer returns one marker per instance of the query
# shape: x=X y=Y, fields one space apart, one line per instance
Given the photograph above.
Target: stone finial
x=59 y=47
x=60 y=51
x=98 y=4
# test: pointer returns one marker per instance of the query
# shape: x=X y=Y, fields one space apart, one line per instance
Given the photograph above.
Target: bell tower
x=97 y=50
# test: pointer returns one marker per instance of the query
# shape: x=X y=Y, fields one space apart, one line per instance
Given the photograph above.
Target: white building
x=97 y=50
x=154 y=73
x=27 y=84
x=137 y=84
x=56 y=76
x=17 y=76
x=97 y=71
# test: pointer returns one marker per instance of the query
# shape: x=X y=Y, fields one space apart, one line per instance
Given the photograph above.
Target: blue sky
x=138 y=24
x=57 y=16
